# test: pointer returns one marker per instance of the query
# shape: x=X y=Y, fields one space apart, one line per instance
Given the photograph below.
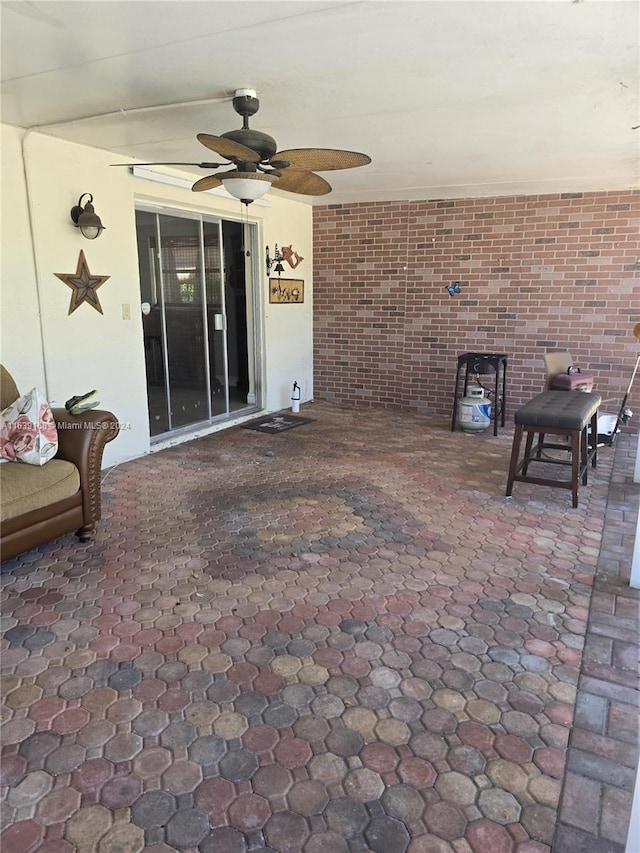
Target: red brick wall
x=536 y=273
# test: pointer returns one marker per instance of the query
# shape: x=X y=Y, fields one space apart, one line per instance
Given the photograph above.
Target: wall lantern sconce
x=86 y=219
x=275 y=261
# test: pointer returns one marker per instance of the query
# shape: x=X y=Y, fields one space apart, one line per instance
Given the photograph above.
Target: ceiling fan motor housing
x=263 y=144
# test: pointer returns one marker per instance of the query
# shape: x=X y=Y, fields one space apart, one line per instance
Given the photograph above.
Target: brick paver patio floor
x=343 y=637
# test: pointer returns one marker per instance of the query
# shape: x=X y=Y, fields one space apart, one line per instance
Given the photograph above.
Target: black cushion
x=560 y=409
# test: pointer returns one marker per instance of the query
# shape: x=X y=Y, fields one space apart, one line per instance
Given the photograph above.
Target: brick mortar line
x=568 y=837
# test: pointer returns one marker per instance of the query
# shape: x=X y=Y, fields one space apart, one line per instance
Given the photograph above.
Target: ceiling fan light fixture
x=247 y=186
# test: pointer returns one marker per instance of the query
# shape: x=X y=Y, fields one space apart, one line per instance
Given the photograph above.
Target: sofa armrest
x=81 y=440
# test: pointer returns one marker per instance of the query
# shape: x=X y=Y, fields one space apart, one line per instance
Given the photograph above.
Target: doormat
x=277 y=423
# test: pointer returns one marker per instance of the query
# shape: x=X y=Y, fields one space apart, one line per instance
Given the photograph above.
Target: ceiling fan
x=259 y=165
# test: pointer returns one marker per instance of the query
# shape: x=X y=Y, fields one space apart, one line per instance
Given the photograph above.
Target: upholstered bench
x=560 y=414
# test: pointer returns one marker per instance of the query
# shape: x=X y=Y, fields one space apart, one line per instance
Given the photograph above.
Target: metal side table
x=476 y=363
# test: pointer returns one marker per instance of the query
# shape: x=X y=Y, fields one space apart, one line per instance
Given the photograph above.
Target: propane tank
x=474 y=410
x=295 y=398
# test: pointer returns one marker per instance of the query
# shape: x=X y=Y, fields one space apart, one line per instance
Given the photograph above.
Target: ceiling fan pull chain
x=244 y=221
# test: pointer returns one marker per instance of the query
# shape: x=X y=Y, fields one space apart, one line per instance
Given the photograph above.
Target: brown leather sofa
x=38 y=504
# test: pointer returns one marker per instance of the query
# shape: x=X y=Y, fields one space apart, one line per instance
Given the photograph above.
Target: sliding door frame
x=254 y=316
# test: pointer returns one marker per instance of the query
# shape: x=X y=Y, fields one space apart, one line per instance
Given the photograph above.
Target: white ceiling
x=450 y=99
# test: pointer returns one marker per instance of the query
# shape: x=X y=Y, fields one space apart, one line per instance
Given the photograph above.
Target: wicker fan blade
x=305 y=183
x=320 y=159
x=228 y=148
x=181 y=163
x=207 y=183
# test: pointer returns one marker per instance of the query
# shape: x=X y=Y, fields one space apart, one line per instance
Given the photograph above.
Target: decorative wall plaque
x=286 y=290
x=83 y=284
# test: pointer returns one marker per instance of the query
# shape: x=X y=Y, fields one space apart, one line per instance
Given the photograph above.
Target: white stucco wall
x=19 y=315
x=289 y=328
x=64 y=354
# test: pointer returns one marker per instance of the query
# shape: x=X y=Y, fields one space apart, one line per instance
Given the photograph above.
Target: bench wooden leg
x=576 y=444
x=531 y=434
x=515 y=453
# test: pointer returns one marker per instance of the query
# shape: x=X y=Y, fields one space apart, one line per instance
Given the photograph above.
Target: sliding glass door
x=189 y=269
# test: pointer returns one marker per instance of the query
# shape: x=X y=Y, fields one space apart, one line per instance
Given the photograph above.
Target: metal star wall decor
x=83 y=285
